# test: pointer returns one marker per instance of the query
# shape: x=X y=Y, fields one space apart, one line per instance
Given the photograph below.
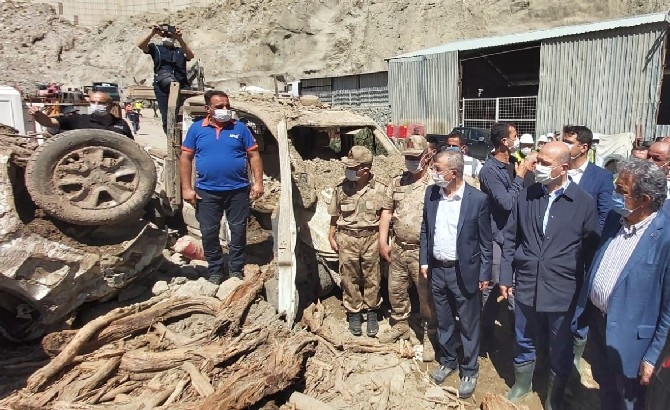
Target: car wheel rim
x=94 y=178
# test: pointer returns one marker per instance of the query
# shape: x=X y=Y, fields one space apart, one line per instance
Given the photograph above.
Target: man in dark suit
x=595 y=180
x=549 y=243
x=626 y=295
x=456 y=252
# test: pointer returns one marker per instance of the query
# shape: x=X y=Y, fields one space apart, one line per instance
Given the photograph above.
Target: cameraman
x=169 y=63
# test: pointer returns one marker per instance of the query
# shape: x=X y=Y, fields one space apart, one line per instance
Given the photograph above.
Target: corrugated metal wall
x=608 y=81
x=424 y=90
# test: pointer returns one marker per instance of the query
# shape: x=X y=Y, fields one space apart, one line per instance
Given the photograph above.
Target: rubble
x=200 y=287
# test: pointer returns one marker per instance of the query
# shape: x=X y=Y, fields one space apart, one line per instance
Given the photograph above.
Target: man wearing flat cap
x=355 y=208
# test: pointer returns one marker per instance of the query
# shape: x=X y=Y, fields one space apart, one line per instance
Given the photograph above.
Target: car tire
x=90 y=177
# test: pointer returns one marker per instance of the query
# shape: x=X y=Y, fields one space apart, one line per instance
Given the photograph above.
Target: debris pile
x=197 y=351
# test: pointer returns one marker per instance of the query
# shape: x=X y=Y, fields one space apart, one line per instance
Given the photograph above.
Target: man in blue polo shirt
x=222 y=148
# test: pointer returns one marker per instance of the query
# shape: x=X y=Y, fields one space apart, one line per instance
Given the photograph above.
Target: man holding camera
x=169 y=63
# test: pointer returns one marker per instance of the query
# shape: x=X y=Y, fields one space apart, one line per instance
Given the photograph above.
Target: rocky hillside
x=249 y=40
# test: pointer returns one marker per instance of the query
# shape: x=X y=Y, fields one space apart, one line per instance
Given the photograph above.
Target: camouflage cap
x=415 y=145
x=358 y=155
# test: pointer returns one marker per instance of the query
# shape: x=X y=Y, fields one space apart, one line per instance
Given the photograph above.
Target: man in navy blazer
x=456 y=252
x=549 y=243
x=626 y=296
x=598 y=182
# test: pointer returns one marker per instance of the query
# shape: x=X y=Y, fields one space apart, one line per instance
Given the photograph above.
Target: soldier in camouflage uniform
x=355 y=208
x=403 y=206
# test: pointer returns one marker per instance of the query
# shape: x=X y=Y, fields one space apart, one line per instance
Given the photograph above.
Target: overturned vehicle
x=301 y=142
x=70 y=225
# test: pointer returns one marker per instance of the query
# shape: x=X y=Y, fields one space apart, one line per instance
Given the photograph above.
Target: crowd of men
x=577 y=253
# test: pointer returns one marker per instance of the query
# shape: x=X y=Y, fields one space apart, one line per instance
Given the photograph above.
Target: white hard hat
x=542 y=138
x=526 y=139
x=550 y=135
x=596 y=136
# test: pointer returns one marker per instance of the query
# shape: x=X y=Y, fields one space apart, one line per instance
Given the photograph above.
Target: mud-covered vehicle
x=301 y=143
x=70 y=224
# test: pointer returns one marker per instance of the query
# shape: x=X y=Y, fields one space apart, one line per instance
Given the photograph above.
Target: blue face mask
x=619 y=204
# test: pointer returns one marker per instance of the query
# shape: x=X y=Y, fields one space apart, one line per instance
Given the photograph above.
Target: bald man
x=659 y=154
x=99 y=117
x=549 y=243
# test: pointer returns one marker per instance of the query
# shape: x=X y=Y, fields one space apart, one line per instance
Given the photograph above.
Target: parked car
x=478 y=141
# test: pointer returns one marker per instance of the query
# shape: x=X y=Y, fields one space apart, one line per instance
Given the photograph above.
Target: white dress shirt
x=576 y=174
x=617 y=254
x=446 y=225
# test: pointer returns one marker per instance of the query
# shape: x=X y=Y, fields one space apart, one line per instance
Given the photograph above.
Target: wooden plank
x=171 y=171
x=200 y=383
x=286 y=230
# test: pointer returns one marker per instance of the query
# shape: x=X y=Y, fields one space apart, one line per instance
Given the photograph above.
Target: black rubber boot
x=523 y=381
x=555 y=392
x=373 y=325
x=355 y=321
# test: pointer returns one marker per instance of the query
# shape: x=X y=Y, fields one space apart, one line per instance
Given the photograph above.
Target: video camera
x=167 y=30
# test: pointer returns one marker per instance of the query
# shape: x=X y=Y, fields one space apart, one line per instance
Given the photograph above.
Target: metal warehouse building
x=610 y=76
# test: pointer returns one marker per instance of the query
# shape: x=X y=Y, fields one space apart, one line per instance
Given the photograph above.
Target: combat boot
x=355 y=321
x=373 y=324
x=429 y=340
x=555 y=392
x=399 y=330
x=523 y=381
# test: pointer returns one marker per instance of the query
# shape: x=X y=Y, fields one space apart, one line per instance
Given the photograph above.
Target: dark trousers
x=490 y=298
x=208 y=212
x=162 y=101
x=617 y=392
x=528 y=325
x=451 y=300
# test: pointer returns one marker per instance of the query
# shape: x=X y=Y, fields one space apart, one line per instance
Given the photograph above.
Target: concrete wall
x=91 y=12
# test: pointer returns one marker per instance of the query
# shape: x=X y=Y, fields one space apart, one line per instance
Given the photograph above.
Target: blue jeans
x=209 y=211
x=527 y=326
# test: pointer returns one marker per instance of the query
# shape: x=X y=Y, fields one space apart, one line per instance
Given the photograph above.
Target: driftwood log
x=139 y=356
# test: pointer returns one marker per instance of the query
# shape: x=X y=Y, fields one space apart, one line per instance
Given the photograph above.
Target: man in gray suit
x=456 y=253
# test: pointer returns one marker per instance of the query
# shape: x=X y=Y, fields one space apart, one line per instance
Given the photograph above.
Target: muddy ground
x=342 y=379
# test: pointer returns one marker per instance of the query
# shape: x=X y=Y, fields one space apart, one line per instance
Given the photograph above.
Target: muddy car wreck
x=301 y=142
x=70 y=225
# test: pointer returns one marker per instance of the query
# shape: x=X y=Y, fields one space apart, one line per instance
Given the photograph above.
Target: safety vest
x=591 y=155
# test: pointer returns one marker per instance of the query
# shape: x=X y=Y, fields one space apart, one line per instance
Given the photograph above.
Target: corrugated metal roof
x=538 y=35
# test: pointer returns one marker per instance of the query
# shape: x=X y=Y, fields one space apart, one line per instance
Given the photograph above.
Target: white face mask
x=570 y=148
x=413 y=165
x=222 y=115
x=525 y=151
x=515 y=145
x=97 y=109
x=167 y=41
x=438 y=179
x=351 y=174
x=543 y=174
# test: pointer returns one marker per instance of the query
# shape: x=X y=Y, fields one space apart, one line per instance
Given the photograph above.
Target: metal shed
x=606 y=75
